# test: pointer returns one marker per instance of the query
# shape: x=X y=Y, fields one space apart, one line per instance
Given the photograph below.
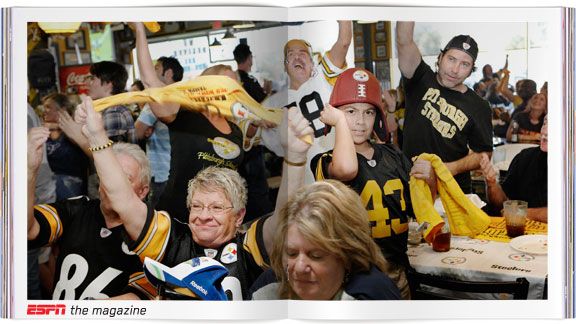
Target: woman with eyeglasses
x=216 y=199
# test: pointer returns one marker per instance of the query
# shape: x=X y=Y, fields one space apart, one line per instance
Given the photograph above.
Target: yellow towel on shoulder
x=215 y=93
x=463 y=216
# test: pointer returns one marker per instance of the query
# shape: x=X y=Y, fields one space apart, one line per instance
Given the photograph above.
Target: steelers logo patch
x=225 y=148
x=360 y=76
x=126 y=250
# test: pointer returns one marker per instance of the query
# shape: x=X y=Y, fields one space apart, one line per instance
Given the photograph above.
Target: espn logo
x=46 y=309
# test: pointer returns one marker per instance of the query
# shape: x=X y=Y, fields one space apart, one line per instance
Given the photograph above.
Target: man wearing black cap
x=444 y=116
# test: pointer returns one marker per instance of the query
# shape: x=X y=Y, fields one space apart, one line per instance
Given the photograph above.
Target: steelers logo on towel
x=229 y=254
x=239 y=111
x=360 y=76
x=225 y=148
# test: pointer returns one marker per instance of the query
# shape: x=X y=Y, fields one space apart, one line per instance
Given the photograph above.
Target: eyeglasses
x=197 y=208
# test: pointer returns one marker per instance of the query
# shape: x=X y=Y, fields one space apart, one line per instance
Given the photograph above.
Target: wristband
x=101 y=147
x=303 y=163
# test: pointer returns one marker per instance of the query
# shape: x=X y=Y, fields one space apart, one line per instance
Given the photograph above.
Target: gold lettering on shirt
x=435 y=107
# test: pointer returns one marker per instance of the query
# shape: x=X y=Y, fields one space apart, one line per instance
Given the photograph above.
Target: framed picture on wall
x=70 y=58
x=77 y=38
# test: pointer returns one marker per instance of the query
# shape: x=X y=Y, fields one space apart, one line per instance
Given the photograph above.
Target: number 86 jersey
x=93 y=260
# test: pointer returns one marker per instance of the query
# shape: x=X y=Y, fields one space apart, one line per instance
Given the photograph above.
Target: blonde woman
x=323 y=249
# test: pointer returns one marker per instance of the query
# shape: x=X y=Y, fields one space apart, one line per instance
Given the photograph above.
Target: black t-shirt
x=526 y=126
x=195 y=145
x=444 y=122
x=252 y=86
x=383 y=185
x=170 y=242
x=93 y=261
x=527 y=178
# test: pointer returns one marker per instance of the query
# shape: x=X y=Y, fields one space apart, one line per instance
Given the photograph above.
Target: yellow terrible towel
x=215 y=93
x=463 y=216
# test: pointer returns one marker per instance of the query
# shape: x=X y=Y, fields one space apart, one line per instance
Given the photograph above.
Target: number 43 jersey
x=93 y=260
x=382 y=184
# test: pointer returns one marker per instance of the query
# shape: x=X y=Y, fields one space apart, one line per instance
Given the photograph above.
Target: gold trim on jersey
x=154 y=243
x=319 y=170
x=328 y=71
x=139 y=282
x=51 y=215
x=251 y=244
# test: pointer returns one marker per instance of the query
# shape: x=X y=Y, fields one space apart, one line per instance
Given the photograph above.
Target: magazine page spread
x=163 y=78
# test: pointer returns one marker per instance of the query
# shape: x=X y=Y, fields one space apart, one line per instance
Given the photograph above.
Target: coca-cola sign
x=73 y=79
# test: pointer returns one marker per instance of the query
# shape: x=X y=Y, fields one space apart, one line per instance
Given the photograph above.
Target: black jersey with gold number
x=93 y=260
x=382 y=183
x=170 y=242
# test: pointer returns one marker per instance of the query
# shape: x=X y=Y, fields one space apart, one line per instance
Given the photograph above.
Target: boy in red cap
x=378 y=172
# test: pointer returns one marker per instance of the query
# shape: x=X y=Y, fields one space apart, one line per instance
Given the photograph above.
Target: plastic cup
x=441 y=241
x=414 y=235
x=515 y=215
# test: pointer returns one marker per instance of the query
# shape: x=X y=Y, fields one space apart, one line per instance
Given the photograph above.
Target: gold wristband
x=101 y=147
x=303 y=163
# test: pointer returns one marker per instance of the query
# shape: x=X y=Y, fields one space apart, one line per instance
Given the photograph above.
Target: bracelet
x=303 y=163
x=101 y=147
x=392 y=112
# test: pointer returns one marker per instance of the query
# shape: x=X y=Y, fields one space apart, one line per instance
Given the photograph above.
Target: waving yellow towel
x=463 y=216
x=216 y=93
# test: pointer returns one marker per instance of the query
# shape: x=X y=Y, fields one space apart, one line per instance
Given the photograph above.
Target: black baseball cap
x=464 y=43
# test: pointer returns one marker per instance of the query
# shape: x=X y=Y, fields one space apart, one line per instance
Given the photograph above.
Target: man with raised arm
x=156 y=133
x=93 y=262
x=309 y=88
x=216 y=201
x=444 y=116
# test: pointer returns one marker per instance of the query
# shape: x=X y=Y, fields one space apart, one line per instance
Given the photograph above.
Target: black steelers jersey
x=382 y=183
x=93 y=261
x=170 y=242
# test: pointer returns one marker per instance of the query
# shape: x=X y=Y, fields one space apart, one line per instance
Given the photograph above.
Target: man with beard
x=444 y=116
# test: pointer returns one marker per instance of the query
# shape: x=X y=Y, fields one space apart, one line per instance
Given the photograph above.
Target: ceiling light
x=59 y=27
x=215 y=43
x=244 y=24
x=228 y=35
